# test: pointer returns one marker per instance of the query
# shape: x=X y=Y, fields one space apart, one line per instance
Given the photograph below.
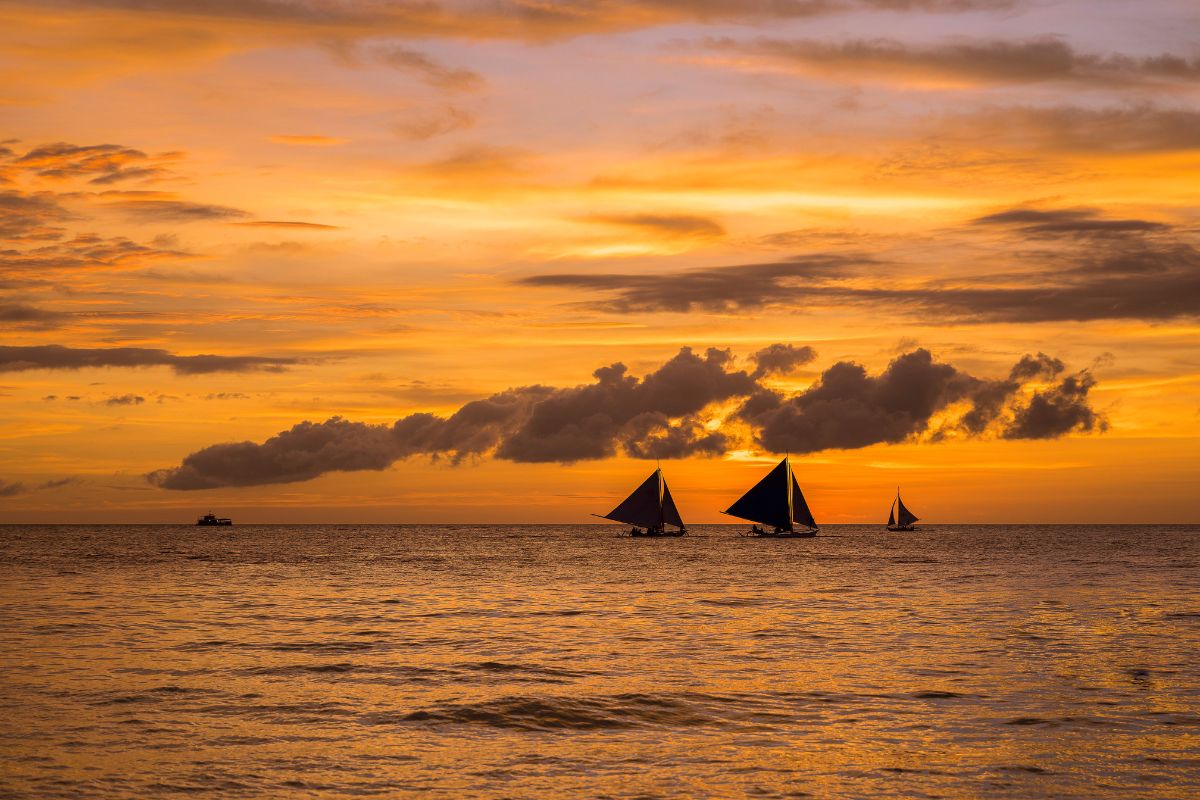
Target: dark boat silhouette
x=777 y=503
x=212 y=519
x=899 y=517
x=649 y=509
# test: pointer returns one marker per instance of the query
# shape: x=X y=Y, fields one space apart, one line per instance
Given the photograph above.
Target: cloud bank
x=674 y=411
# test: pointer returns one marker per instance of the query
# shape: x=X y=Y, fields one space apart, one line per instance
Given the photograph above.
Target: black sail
x=767 y=502
x=903 y=515
x=800 y=512
x=670 y=514
x=892 y=515
x=642 y=508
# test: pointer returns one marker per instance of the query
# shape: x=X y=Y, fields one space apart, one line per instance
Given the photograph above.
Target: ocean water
x=510 y=662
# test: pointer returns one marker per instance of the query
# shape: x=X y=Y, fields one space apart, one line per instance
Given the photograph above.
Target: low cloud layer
x=673 y=412
x=53 y=356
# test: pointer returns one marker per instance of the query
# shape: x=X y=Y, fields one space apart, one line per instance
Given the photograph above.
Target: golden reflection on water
x=505 y=662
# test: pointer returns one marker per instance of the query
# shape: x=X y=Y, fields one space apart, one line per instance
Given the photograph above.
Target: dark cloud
x=1039 y=366
x=710 y=288
x=31 y=217
x=1103 y=269
x=53 y=356
x=102 y=164
x=303 y=452
x=28 y=316
x=848 y=408
x=1133 y=129
x=1068 y=222
x=125 y=400
x=1055 y=412
x=585 y=422
x=993 y=61
x=12 y=489
x=668 y=413
x=84 y=251
x=59 y=483
x=175 y=210
x=666 y=225
x=780 y=359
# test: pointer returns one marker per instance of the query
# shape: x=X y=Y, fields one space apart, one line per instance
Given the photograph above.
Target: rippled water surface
x=454 y=661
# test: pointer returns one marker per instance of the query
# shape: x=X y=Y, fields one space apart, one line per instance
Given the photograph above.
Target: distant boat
x=900 y=518
x=777 y=503
x=210 y=519
x=649 y=509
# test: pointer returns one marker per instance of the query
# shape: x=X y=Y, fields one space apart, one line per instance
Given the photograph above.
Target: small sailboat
x=777 y=503
x=649 y=509
x=899 y=517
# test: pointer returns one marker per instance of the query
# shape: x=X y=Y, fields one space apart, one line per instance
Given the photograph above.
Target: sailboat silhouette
x=776 y=502
x=649 y=509
x=899 y=517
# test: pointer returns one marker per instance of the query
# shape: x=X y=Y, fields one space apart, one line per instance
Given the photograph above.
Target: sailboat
x=777 y=503
x=899 y=517
x=649 y=509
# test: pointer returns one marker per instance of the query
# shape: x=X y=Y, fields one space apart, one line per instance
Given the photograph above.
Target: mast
x=658 y=471
x=787 y=459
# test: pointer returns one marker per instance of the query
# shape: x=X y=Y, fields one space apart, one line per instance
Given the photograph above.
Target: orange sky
x=388 y=212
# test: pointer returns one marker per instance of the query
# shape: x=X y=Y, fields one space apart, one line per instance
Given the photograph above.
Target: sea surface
x=510 y=662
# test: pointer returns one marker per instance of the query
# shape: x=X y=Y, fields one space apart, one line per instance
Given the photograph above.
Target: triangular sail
x=670 y=514
x=892 y=515
x=903 y=515
x=642 y=508
x=800 y=511
x=767 y=502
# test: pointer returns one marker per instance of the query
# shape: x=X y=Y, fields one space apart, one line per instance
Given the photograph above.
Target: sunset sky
x=296 y=260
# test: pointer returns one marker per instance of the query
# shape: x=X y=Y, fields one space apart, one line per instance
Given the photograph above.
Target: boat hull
x=895 y=528
x=657 y=534
x=784 y=535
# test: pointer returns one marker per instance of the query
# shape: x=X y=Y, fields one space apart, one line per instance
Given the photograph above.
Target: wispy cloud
x=52 y=356
x=965 y=62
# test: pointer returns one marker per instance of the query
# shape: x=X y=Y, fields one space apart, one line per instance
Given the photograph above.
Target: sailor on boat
x=649 y=509
x=776 y=501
